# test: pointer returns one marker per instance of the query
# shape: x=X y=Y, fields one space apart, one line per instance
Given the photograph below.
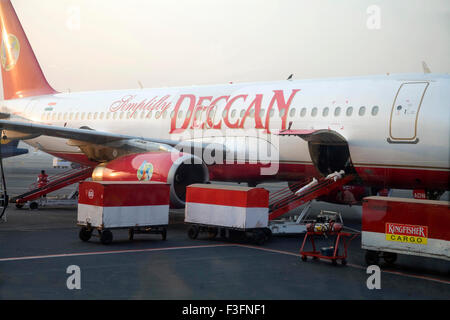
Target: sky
x=85 y=45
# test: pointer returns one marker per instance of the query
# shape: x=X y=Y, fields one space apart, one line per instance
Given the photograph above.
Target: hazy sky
x=113 y=44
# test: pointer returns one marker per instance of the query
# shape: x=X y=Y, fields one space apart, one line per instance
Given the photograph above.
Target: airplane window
x=82 y=116
x=337 y=111
x=362 y=111
x=101 y=115
x=242 y=113
x=65 y=116
x=48 y=116
x=252 y=113
x=76 y=116
x=271 y=113
x=292 y=113
x=261 y=113
x=303 y=112
x=157 y=115
x=59 y=116
x=95 y=115
x=224 y=113
x=180 y=114
x=349 y=111
x=70 y=116
x=314 y=112
x=188 y=114
x=375 y=110
x=121 y=115
x=233 y=113
x=198 y=114
x=325 y=111
x=108 y=114
x=89 y=116
x=54 y=116
x=43 y=116
x=114 y=116
x=283 y=112
x=165 y=114
x=135 y=115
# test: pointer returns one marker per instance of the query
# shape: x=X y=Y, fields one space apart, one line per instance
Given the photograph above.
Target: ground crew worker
x=42 y=181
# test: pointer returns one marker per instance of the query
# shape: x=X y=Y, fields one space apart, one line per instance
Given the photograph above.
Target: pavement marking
x=65 y=255
x=350 y=264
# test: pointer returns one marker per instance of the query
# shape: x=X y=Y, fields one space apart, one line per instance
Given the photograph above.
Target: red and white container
x=406 y=226
x=227 y=206
x=123 y=204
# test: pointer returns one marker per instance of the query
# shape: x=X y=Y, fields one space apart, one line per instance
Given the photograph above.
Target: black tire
x=372 y=257
x=85 y=234
x=344 y=262
x=19 y=205
x=193 y=232
x=164 y=234
x=130 y=234
x=212 y=233
x=304 y=258
x=390 y=257
x=259 y=237
x=267 y=233
x=106 y=237
x=34 y=205
x=334 y=262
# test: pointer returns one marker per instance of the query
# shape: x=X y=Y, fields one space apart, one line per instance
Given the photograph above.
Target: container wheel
x=372 y=257
x=106 y=237
x=130 y=234
x=164 y=234
x=344 y=262
x=267 y=233
x=19 y=205
x=259 y=237
x=193 y=232
x=334 y=262
x=304 y=258
x=85 y=234
x=212 y=233
x=389 y=257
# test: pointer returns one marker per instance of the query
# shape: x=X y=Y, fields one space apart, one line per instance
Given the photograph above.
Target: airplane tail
x=22 y=76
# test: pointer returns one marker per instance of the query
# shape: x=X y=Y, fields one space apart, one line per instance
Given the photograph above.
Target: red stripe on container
x=123 y=194
x=254 y=198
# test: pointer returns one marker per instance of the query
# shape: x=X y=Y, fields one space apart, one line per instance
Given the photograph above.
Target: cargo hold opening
x=329 y=152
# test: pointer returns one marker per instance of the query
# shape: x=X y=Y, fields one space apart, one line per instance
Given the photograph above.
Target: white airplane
x=392 y=131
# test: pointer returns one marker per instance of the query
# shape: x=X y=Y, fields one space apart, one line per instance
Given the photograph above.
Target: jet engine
x=175 y=168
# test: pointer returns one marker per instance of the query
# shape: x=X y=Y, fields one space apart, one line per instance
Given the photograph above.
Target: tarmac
x=38 y=246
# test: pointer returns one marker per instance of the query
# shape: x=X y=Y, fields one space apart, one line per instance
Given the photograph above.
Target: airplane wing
x=89 y=140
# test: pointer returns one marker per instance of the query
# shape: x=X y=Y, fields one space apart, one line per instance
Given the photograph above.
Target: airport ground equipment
x=392 y=226
x=70 y=200
x=234 y=212
x=328 y=225
x=294 y=196
x=291 y=225
x=55 y=182
x=140 y=207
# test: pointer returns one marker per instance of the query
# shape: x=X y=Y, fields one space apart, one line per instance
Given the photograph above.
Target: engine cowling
x=175 y=168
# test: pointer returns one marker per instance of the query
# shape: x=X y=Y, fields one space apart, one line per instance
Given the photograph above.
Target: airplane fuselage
x=396 y=126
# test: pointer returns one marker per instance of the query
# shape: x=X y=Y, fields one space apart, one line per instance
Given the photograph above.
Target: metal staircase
x=287 y=199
